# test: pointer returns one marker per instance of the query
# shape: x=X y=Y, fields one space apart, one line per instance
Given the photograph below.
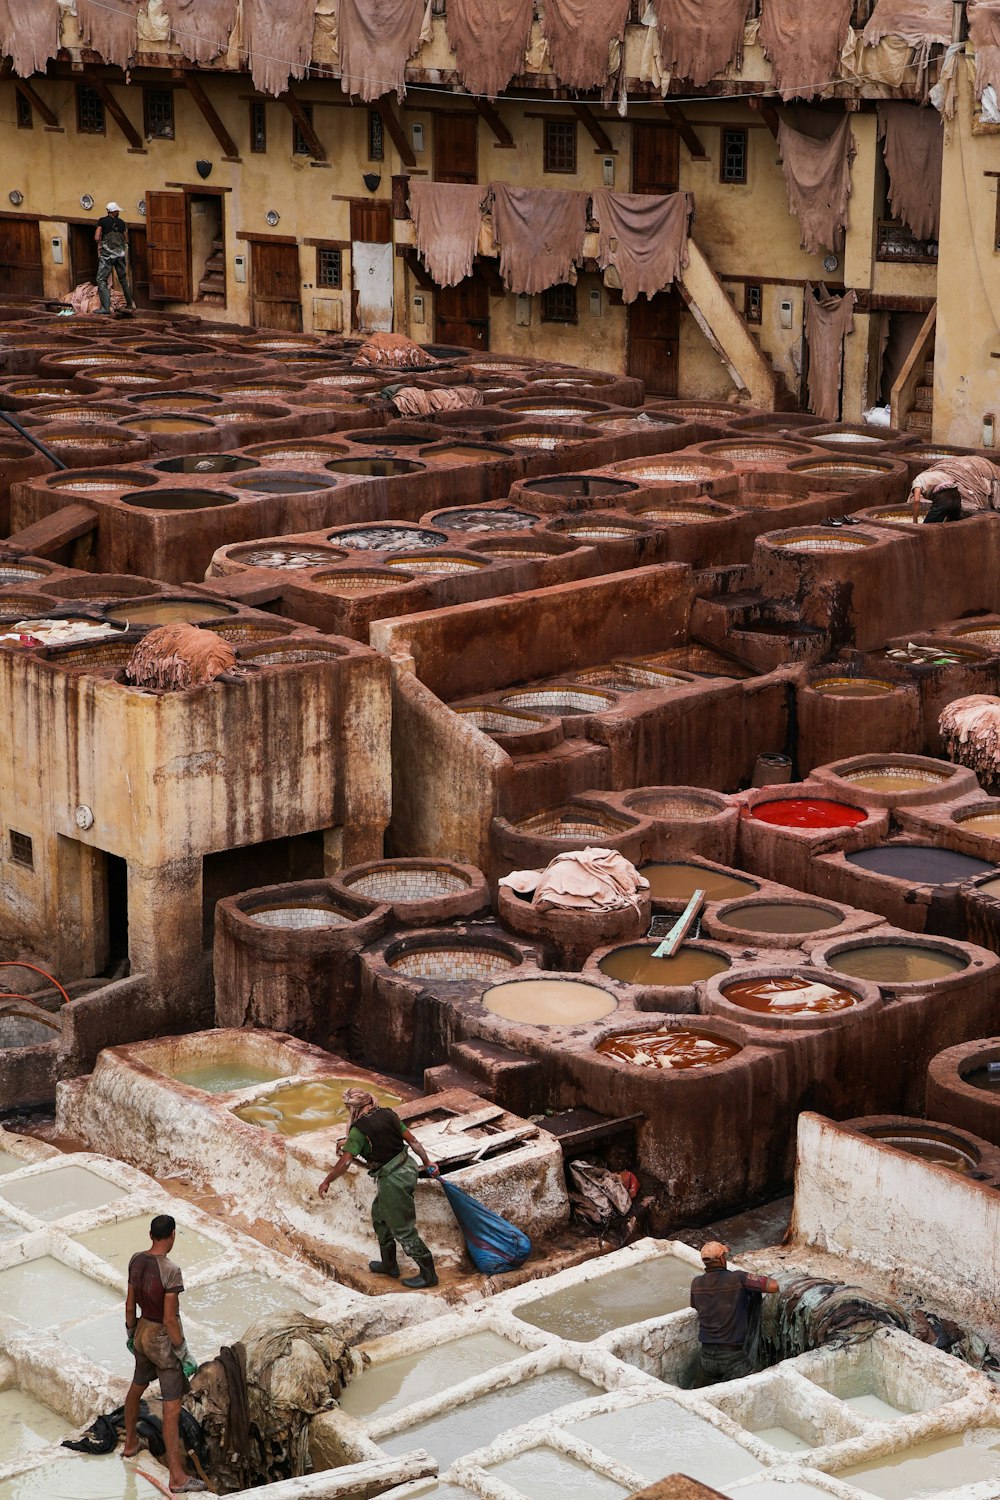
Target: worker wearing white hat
x=112 y=260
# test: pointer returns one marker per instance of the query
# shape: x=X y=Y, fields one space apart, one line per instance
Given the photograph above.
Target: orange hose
x=18 y=964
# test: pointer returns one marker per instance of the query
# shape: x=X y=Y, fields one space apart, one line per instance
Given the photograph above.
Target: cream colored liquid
x=662 y=1438
x=990 y=887
x=223 y=1078
x=895 y=963
x=894 y=781
x=679 y=882
x=117 y=1243
x=226 y=1309
x=783 y=1438
x=636 y=965
x=549 y=1002
x=10 y=1163
x=102 y=1340
x=167 y=612
x=26 y=1424
x=870 y=1405
x=986 y=825
x=546 y=1474
x=316 y=1104
x=926 y=1469
x=772 y=1489
x=67 y=1190
x=386 y=1388
x=590 y=1309
x=852 y=687
x=80 y=1477
x=476 y=1423
x=46 y=1294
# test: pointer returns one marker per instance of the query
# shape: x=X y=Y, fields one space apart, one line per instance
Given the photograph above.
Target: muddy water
x=990 y=887
x=662 y=1437
x=478 y=1422
x=595 y=1307
x=636 y=965
x=46 y=1294
x=226 y=1309
x=808 y=812
x=168 y=611
x=10 y=1163
x=546 y=1474
x=222 y=1078
x=80 y=1477
x=26 y=1424
x=781 y=916
x=315 y=1104
x=549 y=1002
x=982 y=1078
x=921 y=864
x=66 y=1190
x=853 y=687
x=677 y=1049
x=166 y=424
x=927 y=1469
x=678 y=882
x=895 y=963
x=385 y=1388
x=789 y=997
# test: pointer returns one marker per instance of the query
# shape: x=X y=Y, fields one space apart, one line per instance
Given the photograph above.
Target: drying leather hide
x=700 y=38
x=540 y=232
x=818 y=183
x=29 y=34
x=447 y=218
x=375 y=38
x=277 y=40
x=177 y=657
x=415 y=401
x=828 y=322
x=919 y=22
x=201 y=28
x=490 y=38
x=913 y=146
x=110 y=27
x=984 y=34
x=392 y=351
x=579 y=34
x=645 y=238
x=804 y=40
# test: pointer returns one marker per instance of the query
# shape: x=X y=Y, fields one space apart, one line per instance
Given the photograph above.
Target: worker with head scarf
x=378 y=1138
x=722 y=1300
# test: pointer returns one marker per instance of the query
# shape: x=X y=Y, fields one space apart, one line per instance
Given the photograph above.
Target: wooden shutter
x=655 y=158
x=20 y=258
x=168 y=247
x=371 y=222
x=456 y=139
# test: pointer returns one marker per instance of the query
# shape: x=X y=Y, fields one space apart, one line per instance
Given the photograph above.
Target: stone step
x=923 y=398
x=929 y=372
x=920 y=421
x=442 y=1079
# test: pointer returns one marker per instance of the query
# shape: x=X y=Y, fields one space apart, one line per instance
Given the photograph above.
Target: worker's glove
x=130 y=1340
x=188 y=1365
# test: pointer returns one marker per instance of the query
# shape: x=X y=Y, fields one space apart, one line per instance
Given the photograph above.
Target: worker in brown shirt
x=721 y=1299
x=157 y=1342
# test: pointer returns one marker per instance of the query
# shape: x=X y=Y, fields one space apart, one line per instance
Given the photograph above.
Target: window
x=89 y=110
x=258 y=126
x=158 y=114
x=21 y=851
x=300 y=146
x=753 y=302
x=329 y=268
x=733 y=155
x=376 y=136
x=559 y=304
x=560 y=146
x=25 y=119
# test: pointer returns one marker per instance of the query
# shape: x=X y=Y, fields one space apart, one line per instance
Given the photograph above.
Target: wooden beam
x=302 y=120
x=688 y=134
x=493 y=120
x=767 y=113
x=229 y=147
x=397 y=134
x=408 y=255
x=594 y=128
x=38 y=104
x=119 y=116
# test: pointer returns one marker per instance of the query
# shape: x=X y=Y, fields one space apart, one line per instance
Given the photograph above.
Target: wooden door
x=655 y=158
x=371 y=265
x=653 y=341
x=456 y=148
x=20 y=258
x=168 y=245
x=275 y=293
x=82 y=253
x=138 y=264
x=462 y=314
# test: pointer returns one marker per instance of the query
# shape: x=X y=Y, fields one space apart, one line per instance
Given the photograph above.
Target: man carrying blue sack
x=378 y=1138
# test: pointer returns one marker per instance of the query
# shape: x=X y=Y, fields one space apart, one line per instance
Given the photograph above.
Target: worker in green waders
x=379 y=1139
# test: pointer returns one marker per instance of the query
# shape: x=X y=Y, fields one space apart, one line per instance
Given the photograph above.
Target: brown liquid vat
x=783 y=997
x=673 y=883
x=780 y=918
x=960 y=1091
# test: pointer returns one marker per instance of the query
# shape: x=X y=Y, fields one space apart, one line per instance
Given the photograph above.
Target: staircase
x=212 y=286
x=912 y=400
x=920 y=417
x=727 y=330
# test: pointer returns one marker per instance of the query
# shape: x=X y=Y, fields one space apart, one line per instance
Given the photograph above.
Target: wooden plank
x=38 y=104
x=214 y=123
x=580 y=1137
x=594 y=128
x=687 y=132
x=397 y=134
x=52 y=532
x=493 y=120
x=119 y=116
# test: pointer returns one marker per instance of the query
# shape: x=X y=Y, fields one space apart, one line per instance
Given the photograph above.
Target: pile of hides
x=828 y=321
x=219 y=1399
x=809 y=1312
x=699 y=38
x=976 y=479
x=294 y=1370
x=645 y=238
x=412 y=401
x=817 y=173
x=602 y=1199
x=803 y=40
x=490 y=38
x=177 y=657
x=446 y=221
x=581 y=880
x=970 y=731
x=540 y=232
x=85 y=298
x=913 y=144
x=393 y=351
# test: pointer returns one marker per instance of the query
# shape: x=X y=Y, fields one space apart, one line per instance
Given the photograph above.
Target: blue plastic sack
x=493 y=1244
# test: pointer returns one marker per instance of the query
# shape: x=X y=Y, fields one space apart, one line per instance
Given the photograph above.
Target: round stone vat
x=297 y=451
x=889 y=780
x=453 y=451
x=85 y=444
x=532 y=842
x=16 y=607
x=83 y=413
x=176 y=401
x=672 y=883
x=673 y=985
x=513 y=729
x=548 y=1000
x=14 y=570
x=101 y=481
x=932 y=1143
x=167 y=423
x=701 y=475
x=193 y=610
x=388 y=441
x=628 y=677
x=100 y=588
x=441 y=563
x=275 y=555
x=560 y=702
x=899 y=963
x=292 y=651
x=475 y=520
x=980 y=820
x=567 y=492
x=818 y=540
x=963 y=1088
x=275 y=482
x=286 y=958
x=522 y=546
x=418 y=892
x=613 y=533
x=855 y=437
x=29 y=1046
x=353 y=581
x=782 y=998
x=849 y=714
x=569 y=935
x=205 y=463
x=394 y=537
x=684 y=820
x=556 y=408
x=170 y=499
x=813 y=813
x=443 y=958
x=874 y=480
x=779 y=921
x=240 y=629
x=544 y=437
x=670 y=1047
x=375 y=468
x=749 y=452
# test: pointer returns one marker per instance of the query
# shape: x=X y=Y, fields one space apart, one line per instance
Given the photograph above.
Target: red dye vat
x=808 y=812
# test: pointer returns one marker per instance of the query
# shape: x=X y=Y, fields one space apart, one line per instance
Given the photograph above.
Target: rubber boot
x=388 y=1265
x=104 y=292
x=427 y=1277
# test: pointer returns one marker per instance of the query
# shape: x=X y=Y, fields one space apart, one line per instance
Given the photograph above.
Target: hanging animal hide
x=490 y=38
x=201 y=28
x=277 y=40
x=700 y=38
x=984 y=34
x=446 y=218
x=645 y=238
x=817 y=174
x=828 y=321
x=540 y=232
x=375 y=38
x=579 y=34
x=804 y=40
x=913 y=146
x=110 y=28
x=29 y=34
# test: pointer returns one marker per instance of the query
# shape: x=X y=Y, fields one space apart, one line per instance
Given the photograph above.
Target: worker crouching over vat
x=378 y=1138
x=723 y=1300
x=952 y=482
